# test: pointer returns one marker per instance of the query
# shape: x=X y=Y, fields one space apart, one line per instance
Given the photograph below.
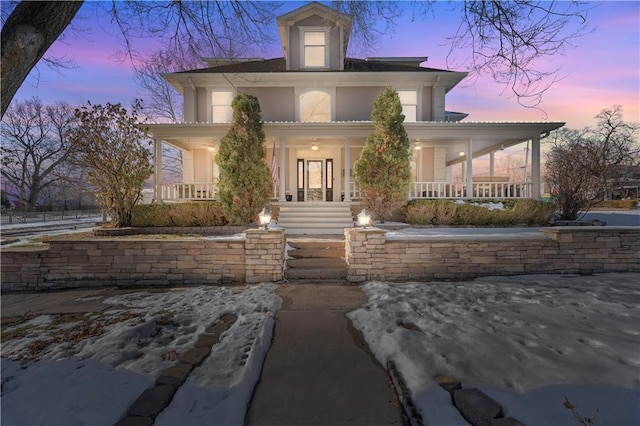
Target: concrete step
x=315 y=218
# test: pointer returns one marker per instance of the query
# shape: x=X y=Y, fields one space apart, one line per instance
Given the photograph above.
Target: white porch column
x=535 y=168
x=492 y=164
x=347 y=170
x=157 y=172
x=469 y=168
x=282 y=171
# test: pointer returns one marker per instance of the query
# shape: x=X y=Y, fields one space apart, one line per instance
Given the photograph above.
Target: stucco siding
x=355 y=103
x=276 y=103
x=427 y=104
x=202 y=112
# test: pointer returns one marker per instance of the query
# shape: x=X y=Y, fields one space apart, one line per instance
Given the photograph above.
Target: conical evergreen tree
x=383 y=170
x=245 y=180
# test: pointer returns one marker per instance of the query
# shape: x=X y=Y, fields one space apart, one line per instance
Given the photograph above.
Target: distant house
x=316 y=106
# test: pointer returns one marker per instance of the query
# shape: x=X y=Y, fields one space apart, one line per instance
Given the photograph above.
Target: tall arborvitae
x=245 y=180
x=383 y=171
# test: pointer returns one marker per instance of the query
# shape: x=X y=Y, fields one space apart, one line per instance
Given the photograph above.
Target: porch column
x=282 y=171
x=469 y=168
x=347 y=170
x=157 y=172
x=492 y=164
x=535 y=167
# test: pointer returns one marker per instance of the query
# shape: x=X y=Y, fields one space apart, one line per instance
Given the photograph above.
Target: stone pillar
x=365 y=254
x=264 y=255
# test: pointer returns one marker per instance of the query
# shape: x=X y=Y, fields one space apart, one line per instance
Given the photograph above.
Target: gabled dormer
x=314 y=38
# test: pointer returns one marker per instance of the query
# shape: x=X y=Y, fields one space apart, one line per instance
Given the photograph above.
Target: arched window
x=315 y=106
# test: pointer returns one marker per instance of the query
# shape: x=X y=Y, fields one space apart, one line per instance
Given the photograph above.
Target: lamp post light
x=265 y=217
x=364 y=218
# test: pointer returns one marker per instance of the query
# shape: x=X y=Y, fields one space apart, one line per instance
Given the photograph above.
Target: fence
x=15 y=217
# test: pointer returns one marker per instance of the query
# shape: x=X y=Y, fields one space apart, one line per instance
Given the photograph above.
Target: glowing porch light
x=364 y=218
x=264 y=217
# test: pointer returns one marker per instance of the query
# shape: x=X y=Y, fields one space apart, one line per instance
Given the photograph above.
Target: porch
x=315 y=161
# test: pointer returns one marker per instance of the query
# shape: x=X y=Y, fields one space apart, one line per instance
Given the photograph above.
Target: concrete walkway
x=319 y=371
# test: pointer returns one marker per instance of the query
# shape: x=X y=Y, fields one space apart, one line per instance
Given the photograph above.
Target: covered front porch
x=313 y=162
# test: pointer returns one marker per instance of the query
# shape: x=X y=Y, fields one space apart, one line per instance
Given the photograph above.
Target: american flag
x=274 y=165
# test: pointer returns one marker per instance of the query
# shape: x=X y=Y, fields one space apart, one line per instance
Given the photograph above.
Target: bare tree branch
x=26 y=36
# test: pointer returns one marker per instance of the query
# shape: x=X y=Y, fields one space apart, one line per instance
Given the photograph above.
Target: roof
x=279 y=65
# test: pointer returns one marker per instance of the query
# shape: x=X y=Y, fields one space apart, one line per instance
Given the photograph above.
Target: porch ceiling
x=486 y=136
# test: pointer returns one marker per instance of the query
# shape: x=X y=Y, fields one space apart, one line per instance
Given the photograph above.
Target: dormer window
x=315 y=47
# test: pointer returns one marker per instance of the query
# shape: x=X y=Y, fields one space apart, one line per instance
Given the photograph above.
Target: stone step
x=326 y=253
x=315 y=258
x=316 y=263
x=315 y=243
x=312 y=274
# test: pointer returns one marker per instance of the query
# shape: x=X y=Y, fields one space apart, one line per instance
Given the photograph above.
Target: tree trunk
x=31 y=29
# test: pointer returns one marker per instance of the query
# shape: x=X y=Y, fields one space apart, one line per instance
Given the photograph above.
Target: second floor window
x=221 y=111
x=314 y=49
x=315 y=106
x=409 y=101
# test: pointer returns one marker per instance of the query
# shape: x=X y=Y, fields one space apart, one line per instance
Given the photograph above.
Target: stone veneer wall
x=583 y=250
x=145 y=262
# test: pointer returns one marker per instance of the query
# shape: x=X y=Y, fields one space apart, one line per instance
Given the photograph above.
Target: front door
x=315 y=180
x=315 y=175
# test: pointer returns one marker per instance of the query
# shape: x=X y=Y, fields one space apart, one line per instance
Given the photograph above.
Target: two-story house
x=316 y=105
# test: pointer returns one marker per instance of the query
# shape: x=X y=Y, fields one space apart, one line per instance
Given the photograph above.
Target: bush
x=448 y=212
x=618 y=204
x=205 y=213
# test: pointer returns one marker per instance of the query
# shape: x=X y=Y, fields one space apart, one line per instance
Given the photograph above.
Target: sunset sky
x=600 y=71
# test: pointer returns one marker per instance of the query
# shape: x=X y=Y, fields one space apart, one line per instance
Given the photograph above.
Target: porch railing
x=424 y=190
x=189 y=191
x=478 y=189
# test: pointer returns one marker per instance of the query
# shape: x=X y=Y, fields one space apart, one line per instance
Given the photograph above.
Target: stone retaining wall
x=145 y=262
x=583 y=250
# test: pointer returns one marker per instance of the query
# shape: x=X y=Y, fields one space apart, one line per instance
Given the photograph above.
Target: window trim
x=302 y=31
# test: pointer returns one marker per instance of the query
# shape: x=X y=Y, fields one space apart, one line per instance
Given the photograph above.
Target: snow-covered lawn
x=88 y=369
x=527 y=342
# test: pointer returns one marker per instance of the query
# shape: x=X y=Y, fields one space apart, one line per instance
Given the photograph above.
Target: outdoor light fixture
x=265 y=217
x=364 y=218
x=461 y=153
x=314 y=147
x=418 y=147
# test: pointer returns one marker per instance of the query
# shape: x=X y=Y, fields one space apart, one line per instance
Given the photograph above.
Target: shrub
x=448 y=212
x=245 y=179
x=618 y=204
x=383 y=170
x=205 y=213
